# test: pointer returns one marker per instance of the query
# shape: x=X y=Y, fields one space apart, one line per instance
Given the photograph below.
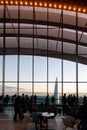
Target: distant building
x=56 y=91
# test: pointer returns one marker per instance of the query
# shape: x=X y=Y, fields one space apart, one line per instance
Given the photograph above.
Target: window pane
x=82 y=72
x=82 y=90
x=69 y=71
x=69 y=88
x=11 y=68
x=10 y=88
x=25 y=88
x=25 y=68
x=1 y=67
x=40 y=89
x=40 y=68
x=54 y=69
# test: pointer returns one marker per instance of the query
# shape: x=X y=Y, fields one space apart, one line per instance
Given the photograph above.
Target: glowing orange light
x=21 y=2
x=50 y=5
x=35 y=3
x=79 y=9
x=55 y=6
x=16 y=2
x=84 y=10
x=31 y=3
x=2 y=2
x=64 y=6
x=11 y=2
x=74 y=8
x=26 y=3
x=60 y=6
x=6 y=2
x=45 y=4
x=69 y=7
x=40 y=4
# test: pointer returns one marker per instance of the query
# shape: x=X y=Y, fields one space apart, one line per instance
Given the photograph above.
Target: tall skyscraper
x=56 y=91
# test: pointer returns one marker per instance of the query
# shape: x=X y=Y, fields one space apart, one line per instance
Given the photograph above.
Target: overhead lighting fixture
x=16 y=2
x=74 y=8
x=6 y=2
x=69 y=8
x=79 y=9
x=40 y=4
x=55 y=5
x=35 y=3
x=11 y=2
x=26 y=3
x=84 y=10
x=2 y=2
x=60 y=6
x=50 y=5
x=46 y=4
x=31 y=3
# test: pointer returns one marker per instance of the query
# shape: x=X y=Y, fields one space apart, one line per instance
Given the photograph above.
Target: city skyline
x=40 y=75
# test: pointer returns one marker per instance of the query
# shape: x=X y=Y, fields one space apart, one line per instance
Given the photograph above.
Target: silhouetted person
x=6 y=100
x=31 y=99
x=53 y=99
x=1 y=103
x=24 y=103
x=64 y=104
x=17 y=108
x=47 y=100
x=35 y=99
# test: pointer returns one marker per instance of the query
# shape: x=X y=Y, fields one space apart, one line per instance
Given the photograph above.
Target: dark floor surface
x=7 y=123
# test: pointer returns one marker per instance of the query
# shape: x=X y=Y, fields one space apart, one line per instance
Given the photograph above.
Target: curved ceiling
x=43 y=31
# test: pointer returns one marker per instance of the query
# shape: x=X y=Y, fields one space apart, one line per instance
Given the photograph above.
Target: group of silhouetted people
x=20 y=106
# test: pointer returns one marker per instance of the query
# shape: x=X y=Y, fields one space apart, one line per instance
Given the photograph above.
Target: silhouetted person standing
x=24 y=103
x=6 y=100
x=64 y=103
x=35 y=99
x=17 y=108
x=47 y=100
x=53 y=99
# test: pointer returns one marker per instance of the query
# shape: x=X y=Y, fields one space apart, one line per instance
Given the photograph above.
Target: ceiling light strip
x=44 y=4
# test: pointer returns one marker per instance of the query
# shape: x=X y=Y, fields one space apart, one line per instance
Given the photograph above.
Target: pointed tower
x=56 y=91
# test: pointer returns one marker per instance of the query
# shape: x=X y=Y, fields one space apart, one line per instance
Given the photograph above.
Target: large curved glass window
x=43 y=52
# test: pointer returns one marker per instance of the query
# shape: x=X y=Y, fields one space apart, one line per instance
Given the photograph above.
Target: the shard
x=56 y=91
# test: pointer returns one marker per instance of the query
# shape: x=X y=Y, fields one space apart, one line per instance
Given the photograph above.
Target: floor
x=7 y=123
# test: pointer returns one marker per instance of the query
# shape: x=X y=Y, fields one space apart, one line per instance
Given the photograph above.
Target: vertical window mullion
x=4 y=40
x=47 y=44
x=77 y=56
x=62 y=48
x=18 y=60
x=33 y=51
